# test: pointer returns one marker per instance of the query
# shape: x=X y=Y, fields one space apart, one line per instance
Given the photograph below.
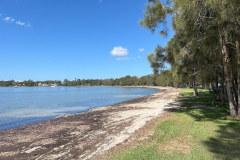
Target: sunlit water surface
x=26 y=105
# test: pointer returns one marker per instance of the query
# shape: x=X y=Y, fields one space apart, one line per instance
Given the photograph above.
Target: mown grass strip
x=202 y=133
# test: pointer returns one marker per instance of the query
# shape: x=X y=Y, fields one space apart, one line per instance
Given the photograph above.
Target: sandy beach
x=83 y=136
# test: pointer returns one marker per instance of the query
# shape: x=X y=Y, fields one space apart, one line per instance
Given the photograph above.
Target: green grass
x=204 y=98
x=191 y=134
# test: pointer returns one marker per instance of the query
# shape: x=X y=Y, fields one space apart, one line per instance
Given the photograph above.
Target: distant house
x=54 y=85
x=42 y=85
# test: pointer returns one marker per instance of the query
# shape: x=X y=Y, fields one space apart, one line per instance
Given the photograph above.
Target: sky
x=68 y=39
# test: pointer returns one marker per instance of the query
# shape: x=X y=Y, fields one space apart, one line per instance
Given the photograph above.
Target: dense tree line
x=28 y=83
x=204 y=51
x=148 y=80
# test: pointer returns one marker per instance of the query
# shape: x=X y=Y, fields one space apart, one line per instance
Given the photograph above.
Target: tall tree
x=206 y=33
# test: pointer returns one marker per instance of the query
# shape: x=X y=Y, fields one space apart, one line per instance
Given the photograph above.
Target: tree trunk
x=222 y=94
x=222 y=88
x=195 y=93
x=228 y=75
x=238 y=80
x=225 y=94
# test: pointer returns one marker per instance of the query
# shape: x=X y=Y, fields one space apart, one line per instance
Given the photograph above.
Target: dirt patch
x=178 y=145
x=83 y=136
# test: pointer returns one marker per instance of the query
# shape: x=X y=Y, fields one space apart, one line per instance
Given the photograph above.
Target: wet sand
x=83 y=136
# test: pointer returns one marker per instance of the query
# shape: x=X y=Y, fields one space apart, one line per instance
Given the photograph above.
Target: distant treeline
x=149 y=80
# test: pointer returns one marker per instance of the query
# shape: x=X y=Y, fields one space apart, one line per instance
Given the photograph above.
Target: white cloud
x=20 y=23
x=23 y=24
x=7 y=19
x=139 y=56
x=119 y=51
x=123 y=59
x=10 y=19
x=141 y=49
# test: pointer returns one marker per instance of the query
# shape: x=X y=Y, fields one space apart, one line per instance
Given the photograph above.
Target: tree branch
x=194 y=74
x=174 y=9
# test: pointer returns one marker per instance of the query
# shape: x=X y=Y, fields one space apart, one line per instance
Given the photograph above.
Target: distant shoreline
x=87 y=86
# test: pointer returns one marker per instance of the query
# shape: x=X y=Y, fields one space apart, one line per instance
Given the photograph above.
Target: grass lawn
x=191 y=134
x=187 y=99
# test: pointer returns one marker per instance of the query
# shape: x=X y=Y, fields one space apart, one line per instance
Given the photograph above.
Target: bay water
x=27 y=105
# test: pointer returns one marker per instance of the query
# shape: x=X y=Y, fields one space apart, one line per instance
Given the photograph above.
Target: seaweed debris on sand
x=82 y=136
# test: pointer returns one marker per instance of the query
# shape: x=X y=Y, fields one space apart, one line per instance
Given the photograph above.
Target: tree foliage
x=205 y=48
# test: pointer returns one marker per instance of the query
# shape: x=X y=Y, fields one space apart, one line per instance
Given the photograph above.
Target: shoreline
x=82 y=136
x=87 y=109
x=79 y=86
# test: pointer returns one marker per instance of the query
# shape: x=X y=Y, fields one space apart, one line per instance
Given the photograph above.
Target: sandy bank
x=82 y=136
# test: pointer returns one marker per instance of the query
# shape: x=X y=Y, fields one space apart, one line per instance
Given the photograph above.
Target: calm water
x=26 y=105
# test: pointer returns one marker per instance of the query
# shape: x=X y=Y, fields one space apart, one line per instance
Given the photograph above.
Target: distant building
x=42 y=85
x=54 y=85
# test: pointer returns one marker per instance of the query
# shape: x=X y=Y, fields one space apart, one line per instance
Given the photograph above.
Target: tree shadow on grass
x=204 y=98
x=187 y=99
x=226 y=143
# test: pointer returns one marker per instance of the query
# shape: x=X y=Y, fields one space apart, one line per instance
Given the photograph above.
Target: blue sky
x=67 y=39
